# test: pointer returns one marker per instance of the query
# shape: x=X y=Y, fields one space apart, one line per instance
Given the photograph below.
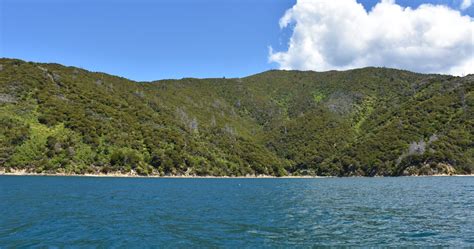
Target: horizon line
x=225 y=77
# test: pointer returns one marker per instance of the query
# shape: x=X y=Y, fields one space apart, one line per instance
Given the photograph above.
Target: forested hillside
x=371 y=121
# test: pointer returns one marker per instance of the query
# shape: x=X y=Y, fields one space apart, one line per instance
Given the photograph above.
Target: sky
x=148 y=40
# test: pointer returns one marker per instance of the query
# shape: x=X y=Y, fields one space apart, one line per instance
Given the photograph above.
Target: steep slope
x=370 y=121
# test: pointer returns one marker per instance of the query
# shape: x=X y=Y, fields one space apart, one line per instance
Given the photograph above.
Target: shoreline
x=121 y=175
x=162 y=176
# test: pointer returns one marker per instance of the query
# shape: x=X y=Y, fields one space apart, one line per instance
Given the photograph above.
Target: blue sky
x=150 y=40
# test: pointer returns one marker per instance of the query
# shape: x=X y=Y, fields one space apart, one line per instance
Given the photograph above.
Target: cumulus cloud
x=466 y=4
x=330 y=34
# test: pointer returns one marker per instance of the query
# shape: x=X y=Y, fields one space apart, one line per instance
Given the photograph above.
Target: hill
x=370 y=121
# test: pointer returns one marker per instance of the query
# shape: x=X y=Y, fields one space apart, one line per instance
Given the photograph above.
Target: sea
x=106 y=212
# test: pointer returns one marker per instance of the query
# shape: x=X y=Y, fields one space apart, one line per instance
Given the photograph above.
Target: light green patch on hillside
x=362 y=112
x=318 y=96
x=283 y=102
x=35 y=147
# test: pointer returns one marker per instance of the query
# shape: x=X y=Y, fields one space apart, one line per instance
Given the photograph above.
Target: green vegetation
x=370 y=121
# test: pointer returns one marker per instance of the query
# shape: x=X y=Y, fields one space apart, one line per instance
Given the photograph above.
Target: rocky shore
x=24 y=172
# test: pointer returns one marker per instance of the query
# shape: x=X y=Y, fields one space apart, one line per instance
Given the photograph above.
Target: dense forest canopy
x=370 y=121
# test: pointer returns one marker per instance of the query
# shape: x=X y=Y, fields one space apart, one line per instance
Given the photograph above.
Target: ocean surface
x=236 y=213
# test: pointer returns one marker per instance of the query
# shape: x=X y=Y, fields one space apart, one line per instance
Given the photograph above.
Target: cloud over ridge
x=329 y=34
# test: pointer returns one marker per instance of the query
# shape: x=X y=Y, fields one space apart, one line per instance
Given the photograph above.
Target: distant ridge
x=361 y=122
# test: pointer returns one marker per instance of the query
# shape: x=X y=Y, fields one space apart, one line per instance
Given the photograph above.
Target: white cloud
x=466 y=4
x=341 y=34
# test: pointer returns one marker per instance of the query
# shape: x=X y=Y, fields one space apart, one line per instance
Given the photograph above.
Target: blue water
x=137 y=212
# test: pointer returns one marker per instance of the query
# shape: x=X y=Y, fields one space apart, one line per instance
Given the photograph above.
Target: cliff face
x=370 y=121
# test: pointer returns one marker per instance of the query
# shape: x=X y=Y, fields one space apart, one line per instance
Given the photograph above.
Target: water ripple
x=119 y=212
